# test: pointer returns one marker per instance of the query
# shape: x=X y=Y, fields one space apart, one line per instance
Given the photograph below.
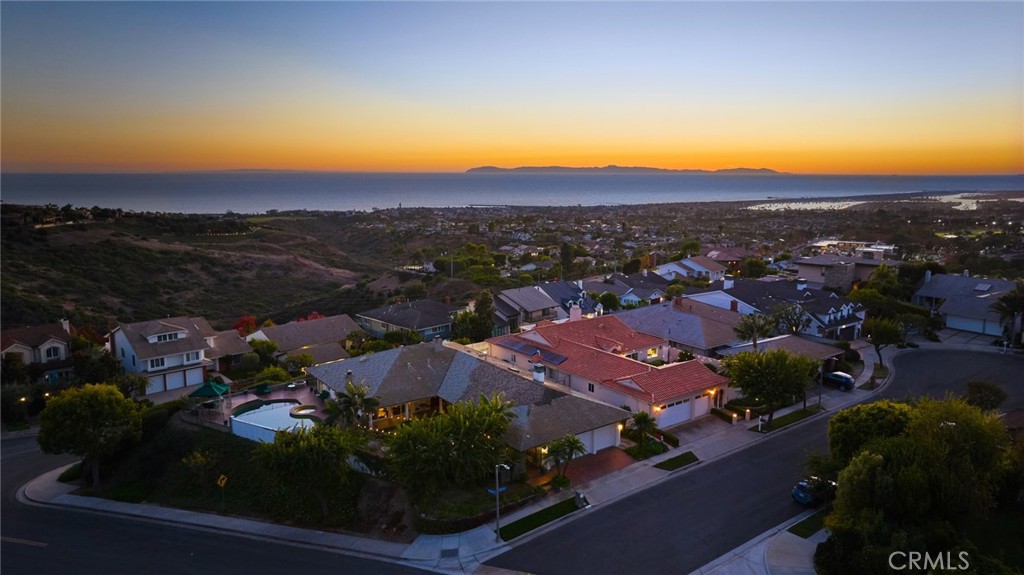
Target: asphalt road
x=689 y=520
x=46 y=540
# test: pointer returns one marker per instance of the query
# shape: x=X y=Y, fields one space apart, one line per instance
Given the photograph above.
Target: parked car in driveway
x=813 y=490
x=842 y=380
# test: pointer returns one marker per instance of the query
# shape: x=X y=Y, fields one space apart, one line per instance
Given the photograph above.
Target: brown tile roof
x=228 y=343
x=791 y=343
x=34 y=336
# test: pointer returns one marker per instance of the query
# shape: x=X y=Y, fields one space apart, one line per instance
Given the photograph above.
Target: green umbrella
x=211 y=389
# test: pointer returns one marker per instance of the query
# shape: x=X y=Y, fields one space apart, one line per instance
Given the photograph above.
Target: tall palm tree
x=644 y=424
x=755 y=326
x=1009 y=307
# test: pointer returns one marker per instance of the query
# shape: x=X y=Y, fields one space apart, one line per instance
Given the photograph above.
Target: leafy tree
x=92 y=363
x=631 y=267
x=92 y=421
x=771 y=376
x=753 y=268
x=317 y=456
x=13 y=370
x=566 y=257
x=245 y=325
x=352 y=406
x=403 y=337
x=919 y=488
x=876 y=304
x=853 y=428
x=460 y=446
x=297 y=361
x=609 y=301
x=790 y=318
x=526 y=280
x=755 y=326
x=415 y=290
x=909 y=322
x=884 y=280
x=130 y=385
x=1010 y=308
x=484 y=320
x=882 y=333
x=985 y=395
x=250 y=361
x=265 y=349
x=273 y=373
x=564 y=450
x=687 y=249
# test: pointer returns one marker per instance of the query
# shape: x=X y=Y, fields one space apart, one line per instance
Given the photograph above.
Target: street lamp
x=497 y=502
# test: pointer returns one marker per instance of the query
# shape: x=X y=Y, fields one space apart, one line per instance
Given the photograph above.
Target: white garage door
x=175 y=380
x=965 y=324
x=673 y=413
x=701 y=405
x=194 y=376
x=607 y=436
x=156 y=384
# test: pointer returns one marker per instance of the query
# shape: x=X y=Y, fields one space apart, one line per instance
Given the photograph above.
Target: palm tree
x=644 y=424
x=1009 y=307
x=754 y=326
x=351 y=406
x=564 y=450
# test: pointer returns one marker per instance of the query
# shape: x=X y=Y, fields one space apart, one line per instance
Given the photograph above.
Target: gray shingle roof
x=299 y=334
x=413 y=315
x=529 y=298
x=791 y=343
x=419 y=371
x=690 y=322
x=945 y=286
x=228 y=343
x=196 y=330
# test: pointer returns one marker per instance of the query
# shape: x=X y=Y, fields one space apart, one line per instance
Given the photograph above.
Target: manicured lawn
x=809 y=526
x=542 y=517
x=678 y=461
x=788 y=419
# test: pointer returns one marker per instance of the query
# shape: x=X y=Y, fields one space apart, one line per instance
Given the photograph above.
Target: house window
x=590 y=387
x=122 y=353
x=156 y=363
x=653 y=352
x=513 y=359
x=192 y=356
x=52 y=353
x=166 y=337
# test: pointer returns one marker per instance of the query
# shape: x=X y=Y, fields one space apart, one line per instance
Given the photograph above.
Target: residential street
x=686 y=521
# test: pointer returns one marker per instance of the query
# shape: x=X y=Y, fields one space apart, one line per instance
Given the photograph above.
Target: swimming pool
x=260 y=420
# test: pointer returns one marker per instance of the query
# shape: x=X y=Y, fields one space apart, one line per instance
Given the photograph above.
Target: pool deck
x=216 y=414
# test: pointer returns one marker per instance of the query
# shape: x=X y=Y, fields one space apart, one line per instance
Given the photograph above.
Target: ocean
x=257 y=192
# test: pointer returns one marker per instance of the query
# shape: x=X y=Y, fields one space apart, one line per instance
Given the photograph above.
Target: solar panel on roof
x=530 y=350
x=983 y=287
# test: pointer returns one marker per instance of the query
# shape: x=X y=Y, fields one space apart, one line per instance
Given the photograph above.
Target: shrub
x=649 y=448
x=273 y=374
x=685 y=355
x=560 y=482
x=669 y=438
x=656 y=362
x=722 y=414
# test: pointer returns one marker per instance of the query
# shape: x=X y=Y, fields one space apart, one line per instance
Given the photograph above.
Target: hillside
x=145 y=267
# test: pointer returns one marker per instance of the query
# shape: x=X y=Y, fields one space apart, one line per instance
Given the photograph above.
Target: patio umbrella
x=210 y=389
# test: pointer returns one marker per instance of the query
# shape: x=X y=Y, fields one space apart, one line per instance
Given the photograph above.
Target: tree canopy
x=772 y=376
x=754 y=327
x=92 y=421
x=882 y=333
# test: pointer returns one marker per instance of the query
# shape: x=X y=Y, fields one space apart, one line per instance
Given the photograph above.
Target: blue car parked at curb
x=813 y=490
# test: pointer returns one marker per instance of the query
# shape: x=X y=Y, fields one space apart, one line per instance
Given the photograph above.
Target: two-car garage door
x=682 y=410
x=174 y=380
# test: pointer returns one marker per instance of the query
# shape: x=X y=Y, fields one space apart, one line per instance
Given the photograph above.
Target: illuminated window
x=653 y=352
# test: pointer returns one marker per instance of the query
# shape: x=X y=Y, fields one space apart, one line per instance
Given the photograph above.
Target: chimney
x=967 y=274
x=66 y=325
x=927 y=276
x=727 y=282
x=538 y=372
x=801 y=284
x=734 y=305
x=448 y=300
x=579 y=284
x=643 y=272
x=575 y=313
x=438 y=343
x=348 y=376
x=677 y=301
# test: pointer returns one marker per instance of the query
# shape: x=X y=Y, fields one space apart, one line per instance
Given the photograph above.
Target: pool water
x=262 y=422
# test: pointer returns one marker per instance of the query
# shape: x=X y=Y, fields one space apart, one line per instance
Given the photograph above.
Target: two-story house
x=514 y=308
x=172 y=353
x=47 y=347
x=605 y=359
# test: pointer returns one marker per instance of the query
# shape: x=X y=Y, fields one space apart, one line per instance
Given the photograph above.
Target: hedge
x=669 y=438
x=722 y=414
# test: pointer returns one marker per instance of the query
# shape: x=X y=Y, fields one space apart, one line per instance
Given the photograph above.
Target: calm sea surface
x=257 y=192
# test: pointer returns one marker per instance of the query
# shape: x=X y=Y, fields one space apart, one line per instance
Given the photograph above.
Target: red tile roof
x=669 y=382
x=602 y=332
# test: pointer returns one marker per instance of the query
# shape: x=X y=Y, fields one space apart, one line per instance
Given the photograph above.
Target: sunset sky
x=806 y=87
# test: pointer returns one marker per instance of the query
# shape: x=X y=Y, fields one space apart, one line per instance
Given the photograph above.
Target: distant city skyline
x=903 y=88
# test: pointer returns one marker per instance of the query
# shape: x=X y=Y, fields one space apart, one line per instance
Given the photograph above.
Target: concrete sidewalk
x=776 y=552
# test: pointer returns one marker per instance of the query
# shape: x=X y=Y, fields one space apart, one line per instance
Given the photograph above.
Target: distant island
x=623 y=170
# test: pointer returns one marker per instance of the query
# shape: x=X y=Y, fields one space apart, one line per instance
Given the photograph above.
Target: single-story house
x=323 y=338
x=426 y=317
x=964 y=302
